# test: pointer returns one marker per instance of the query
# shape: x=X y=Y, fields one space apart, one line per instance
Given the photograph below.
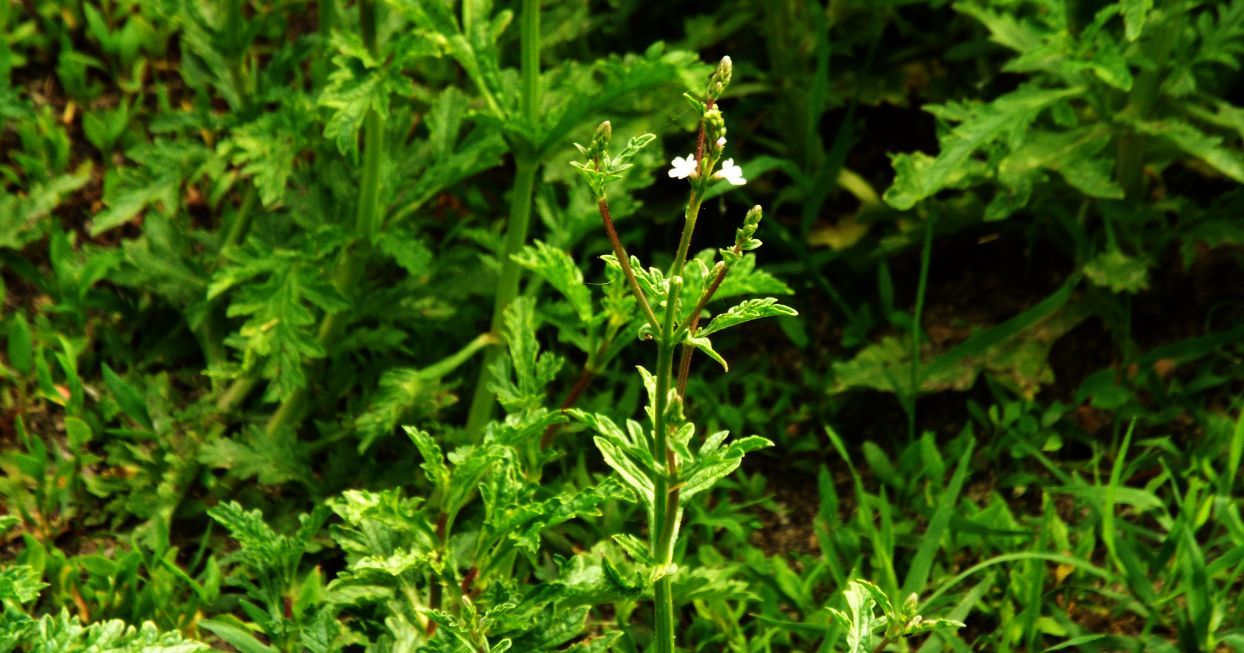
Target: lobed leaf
x=752 y=309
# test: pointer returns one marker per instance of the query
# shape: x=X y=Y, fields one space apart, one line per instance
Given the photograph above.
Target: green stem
x=241 y=223
x=210 y=331
x=530 y=60
x=1140 y=104
x=926 y=252
x=664 y=526
x=521 y=195
x=507 y=286
x=665 y=514
x=684 y=242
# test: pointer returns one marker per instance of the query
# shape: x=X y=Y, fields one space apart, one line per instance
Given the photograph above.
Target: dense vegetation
x=319 y=332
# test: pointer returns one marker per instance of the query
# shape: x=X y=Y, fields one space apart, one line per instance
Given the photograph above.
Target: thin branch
x=625 y=261
x=693 y=323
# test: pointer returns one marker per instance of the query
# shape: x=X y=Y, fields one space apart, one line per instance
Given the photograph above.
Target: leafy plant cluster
x=321 y=333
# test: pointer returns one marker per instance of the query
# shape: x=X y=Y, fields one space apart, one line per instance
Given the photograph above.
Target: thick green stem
x=664 y=526
x=1140 y=104
x=528 y=164
x=530 y=64
x=507 y=286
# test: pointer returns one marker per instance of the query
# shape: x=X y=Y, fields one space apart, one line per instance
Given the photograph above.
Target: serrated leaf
x=360 y=84
x=401 y=392
x=745 y=279
x=471 y=464
x=1110 y=66
x=434 y=468
x=20 y=583
x=265 y=551
x=23 y=217
x=62 y=633
x=705 y=345
x=596 y=644
x=268 y=147
x=1119 y=272
x=713 y=465
x=619 y=457
x=752 y=309
x=163 y=166
x=859 y=620
x=580 y=93
x=918 y=177
x=276 y=291
x=635 y=547
x=1222 y=35
x=395 y=564
x=1197 y=143
x=521 y=380
x=557 y=268
x=270 y=458
x=406 y=249
x=475 y=48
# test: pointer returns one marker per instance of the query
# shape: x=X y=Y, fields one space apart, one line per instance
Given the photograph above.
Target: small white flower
x=730 y=173
x=684 y=167
x=721 y=142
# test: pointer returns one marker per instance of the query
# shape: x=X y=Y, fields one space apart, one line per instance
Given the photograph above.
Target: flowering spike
x=743 y=241
x=720 y=79
x=600 y=141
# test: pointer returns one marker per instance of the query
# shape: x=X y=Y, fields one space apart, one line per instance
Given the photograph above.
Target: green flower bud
x=714 y=125
x=720 y=79
x=600 y=141
x=743 y=239
x=752 y=220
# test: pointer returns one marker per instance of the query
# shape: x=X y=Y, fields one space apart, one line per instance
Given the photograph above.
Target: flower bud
x=752 y=220
x=600 y=141
x=714 y=126
x=721 y=78
x=743 y=237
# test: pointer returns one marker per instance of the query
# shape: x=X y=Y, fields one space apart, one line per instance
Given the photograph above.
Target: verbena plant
x=667 y=464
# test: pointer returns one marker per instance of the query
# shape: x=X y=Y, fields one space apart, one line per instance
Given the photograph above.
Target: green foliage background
x=293 y=294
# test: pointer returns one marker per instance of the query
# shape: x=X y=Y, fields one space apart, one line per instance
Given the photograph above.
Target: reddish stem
x=625 y=261
x=699 y=139
x=580 y=384
x=469 y=579
x=684 y=365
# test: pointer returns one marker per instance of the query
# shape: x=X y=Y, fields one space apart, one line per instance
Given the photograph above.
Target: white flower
x=730 y=173
x=684 y=167
x=721 y=142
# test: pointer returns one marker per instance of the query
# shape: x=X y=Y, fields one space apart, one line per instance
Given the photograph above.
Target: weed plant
x=312 y=338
